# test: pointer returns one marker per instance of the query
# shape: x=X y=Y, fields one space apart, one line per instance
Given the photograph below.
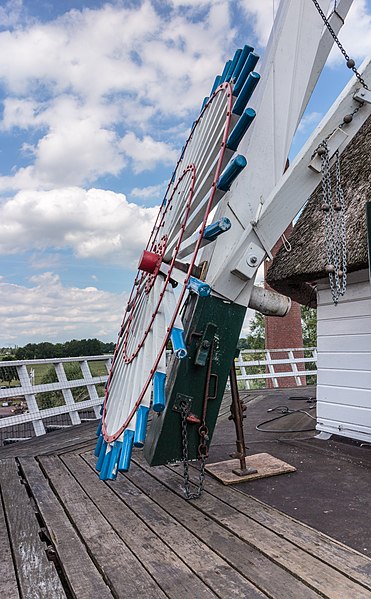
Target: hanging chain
x=203 y=453
x=349 y=61
x=335 y=229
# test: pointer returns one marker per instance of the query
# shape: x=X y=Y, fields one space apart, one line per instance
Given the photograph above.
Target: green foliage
x=8 y=373
x=52 y=399
x=82 y=347
x=309 y=326
x=256 y=337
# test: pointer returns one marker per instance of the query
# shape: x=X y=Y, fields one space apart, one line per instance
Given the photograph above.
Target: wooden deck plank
x=270 y=578
x=313 y=572
x=38 y=578
x=9 y=587
x=122 y=570
x=198 y=556
x=341 y=557
x=53 y=442
x=83 y=577
x=171 y=573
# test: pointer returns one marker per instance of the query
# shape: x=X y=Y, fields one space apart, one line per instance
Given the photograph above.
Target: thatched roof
x=290 y=271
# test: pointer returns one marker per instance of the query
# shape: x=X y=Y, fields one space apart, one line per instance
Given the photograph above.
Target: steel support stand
x=237 y=410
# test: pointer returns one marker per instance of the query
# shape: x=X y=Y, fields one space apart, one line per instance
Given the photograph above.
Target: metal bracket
x=180 y=400
x=205 y=344
x=266 y=247
x=247 y=266
x=333 y=143
x=363 y=95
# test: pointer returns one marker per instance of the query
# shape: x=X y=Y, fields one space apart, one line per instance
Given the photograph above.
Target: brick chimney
x=283 y=332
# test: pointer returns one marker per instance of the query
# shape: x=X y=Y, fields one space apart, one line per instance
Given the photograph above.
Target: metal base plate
x=265 y=464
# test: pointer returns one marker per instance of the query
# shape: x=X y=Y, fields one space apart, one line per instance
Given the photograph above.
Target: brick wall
x=283 y=332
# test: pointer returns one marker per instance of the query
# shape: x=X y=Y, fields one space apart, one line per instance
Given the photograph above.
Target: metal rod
x=236 y=411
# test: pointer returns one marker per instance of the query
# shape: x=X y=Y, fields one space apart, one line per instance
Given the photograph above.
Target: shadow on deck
x=138 y=537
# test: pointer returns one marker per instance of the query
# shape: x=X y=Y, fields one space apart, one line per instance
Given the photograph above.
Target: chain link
x=335 y=228
x=202 y=450
x=349 y=61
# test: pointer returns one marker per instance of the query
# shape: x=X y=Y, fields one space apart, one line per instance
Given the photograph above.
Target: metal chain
x=203 y=453
x=342 y=233
x=335 y=229
x=349 y=61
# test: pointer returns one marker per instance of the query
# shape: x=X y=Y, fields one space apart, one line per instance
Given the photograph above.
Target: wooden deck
x=138 y=536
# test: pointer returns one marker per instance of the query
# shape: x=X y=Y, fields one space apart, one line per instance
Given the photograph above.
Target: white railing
x=253 y=368
x=250 y=370
x=75 y=396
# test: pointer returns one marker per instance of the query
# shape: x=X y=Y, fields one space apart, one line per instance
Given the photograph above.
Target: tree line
x=73 y=348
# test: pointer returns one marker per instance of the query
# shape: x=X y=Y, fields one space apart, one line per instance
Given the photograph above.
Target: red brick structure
x=283 y=332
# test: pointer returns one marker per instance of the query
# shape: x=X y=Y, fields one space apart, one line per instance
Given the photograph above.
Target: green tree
x=8 y=373
x=309 y=326
x=256 y=337
x=52 y=399
x=73 y=348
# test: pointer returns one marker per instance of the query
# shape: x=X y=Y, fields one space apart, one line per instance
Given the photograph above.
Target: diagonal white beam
x=296 y=52
x=294 y=188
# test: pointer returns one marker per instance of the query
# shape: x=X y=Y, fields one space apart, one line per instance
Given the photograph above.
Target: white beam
x=287 y=76
x=299 y=181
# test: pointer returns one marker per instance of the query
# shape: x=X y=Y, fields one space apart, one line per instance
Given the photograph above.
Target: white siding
x=344 y=360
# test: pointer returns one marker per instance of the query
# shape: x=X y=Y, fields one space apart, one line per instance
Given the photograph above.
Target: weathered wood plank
x=269 y=577
x=196 y=554
x=51 y=442
x=84 y=579
x=345 y=559
x=172 y=575
x=37 y=576
x=313 y=572
x=122 y=570
x=9 y=587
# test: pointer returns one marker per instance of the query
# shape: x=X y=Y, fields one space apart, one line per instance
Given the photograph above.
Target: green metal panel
x=206 y=319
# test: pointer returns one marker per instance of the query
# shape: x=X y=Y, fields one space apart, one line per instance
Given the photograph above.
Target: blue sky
x=96 y=99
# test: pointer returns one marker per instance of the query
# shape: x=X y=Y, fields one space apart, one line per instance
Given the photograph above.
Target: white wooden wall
x=344 y=360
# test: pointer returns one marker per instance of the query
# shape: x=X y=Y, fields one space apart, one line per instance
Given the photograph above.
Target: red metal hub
x=149 y=261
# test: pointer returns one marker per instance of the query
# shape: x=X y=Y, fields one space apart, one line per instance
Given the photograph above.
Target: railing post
x=271 y=368
x=86 y=373
x=67 y=394
x=239 y=365
x=294 y=369
x=30 y=398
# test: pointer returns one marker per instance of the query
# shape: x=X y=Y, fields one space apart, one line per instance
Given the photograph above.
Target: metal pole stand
x=237 y=415
x=259 y=465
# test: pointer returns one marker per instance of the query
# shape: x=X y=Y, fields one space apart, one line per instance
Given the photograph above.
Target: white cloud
x=94 y=223
x=76 y=79
x=309 y=121
x=151 y=192
x=18 y=112
x=355 y=35
x=262 y=14
x=10 y=13
x=47 y=310
x=146 y=153
x=44 y=260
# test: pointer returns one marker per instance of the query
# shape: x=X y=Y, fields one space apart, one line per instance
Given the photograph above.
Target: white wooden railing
x=26 y=389
x=249 y=361
x=254 y=368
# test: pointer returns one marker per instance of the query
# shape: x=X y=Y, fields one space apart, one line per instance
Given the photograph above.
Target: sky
x=96 y=101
